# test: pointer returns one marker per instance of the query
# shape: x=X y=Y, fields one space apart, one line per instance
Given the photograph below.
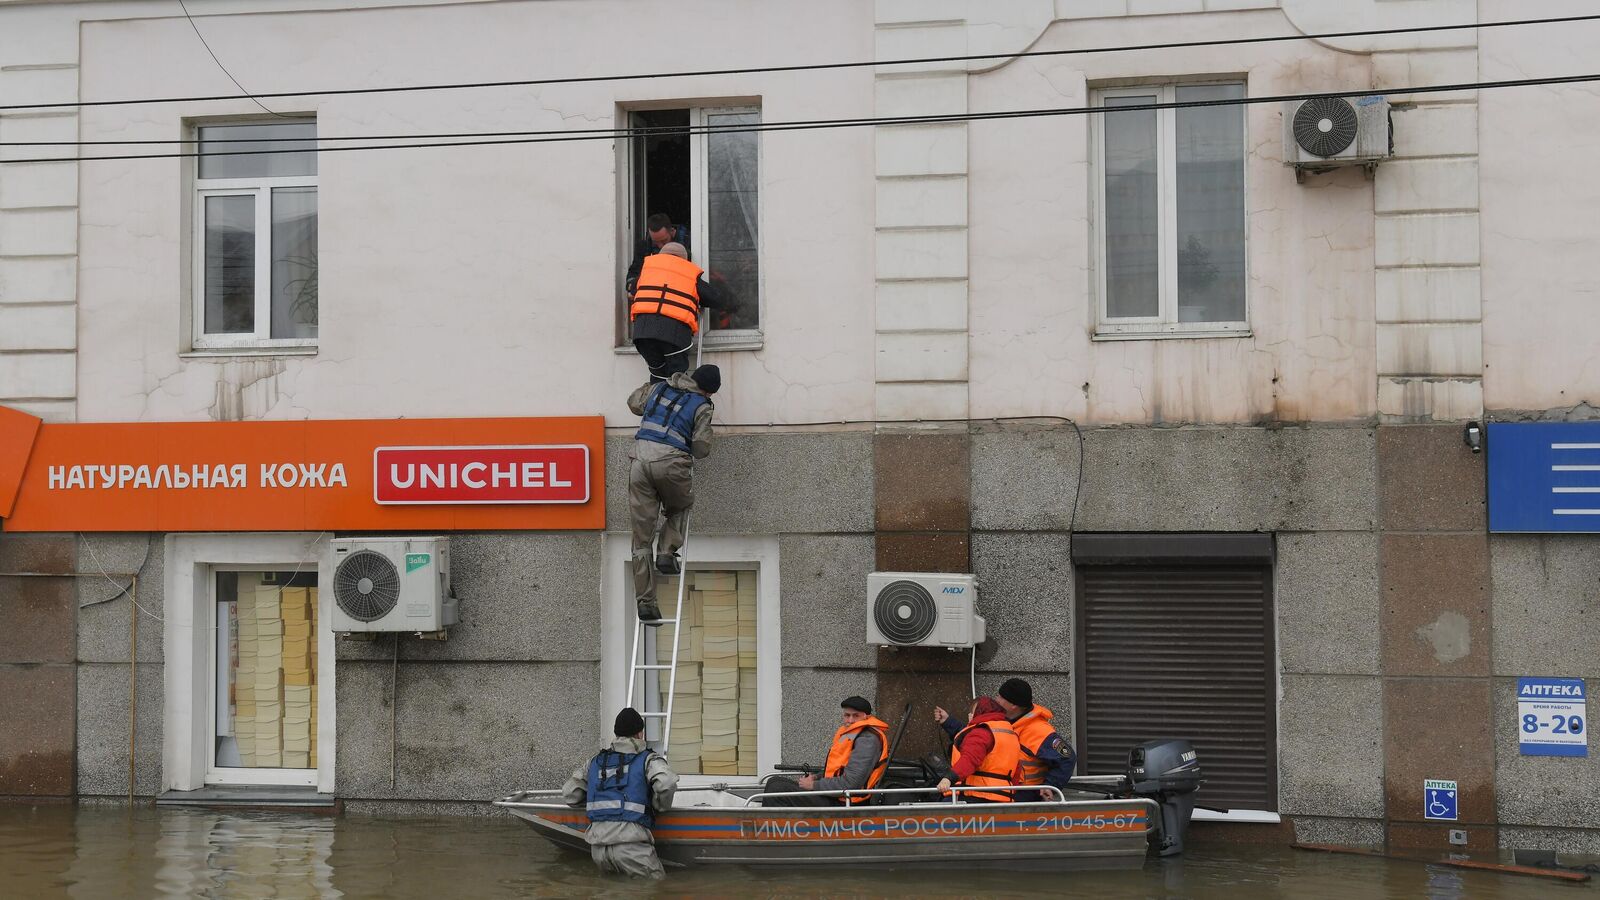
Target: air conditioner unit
x=908 y=609
x=1327 y=132
x=392 y=584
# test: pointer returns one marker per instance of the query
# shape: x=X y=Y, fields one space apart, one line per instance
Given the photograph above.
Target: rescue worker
x=674 y=431
x=1047 y=757
x=664 y=314
x=659 y=232
x=983 y=753
x=622 y=788
x=857 y=758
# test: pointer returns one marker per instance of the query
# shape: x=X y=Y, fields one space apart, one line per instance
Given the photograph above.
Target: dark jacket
x=647 y=247
x=652 y=326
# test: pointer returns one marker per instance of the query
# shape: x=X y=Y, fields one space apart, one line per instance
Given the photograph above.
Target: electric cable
x=813 y=67
x=122 y=589
x=818 y=124
x=206 y=44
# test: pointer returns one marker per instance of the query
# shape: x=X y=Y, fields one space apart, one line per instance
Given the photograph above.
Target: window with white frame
x=699 y=168
x=1170 y=217
x=255 y=250
x=726 y=718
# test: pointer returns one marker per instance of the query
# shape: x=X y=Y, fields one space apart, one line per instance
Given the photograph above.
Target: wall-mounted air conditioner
x=909 y=609
x=1328 y=132
x=392 y=584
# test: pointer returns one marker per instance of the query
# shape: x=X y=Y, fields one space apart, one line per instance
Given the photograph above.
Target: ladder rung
x=661 y=668
x=653 y=715
x=659 y=622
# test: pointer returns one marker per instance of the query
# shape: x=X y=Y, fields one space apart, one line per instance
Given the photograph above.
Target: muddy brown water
x=112 y=852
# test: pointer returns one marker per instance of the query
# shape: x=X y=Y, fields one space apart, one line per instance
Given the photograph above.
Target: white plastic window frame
x=1165 y=324
x=618 y=615
x=699 y=235
x=188 y=672
x=261 y=189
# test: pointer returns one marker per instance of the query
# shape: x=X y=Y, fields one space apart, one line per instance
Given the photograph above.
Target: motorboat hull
x=1072 y=834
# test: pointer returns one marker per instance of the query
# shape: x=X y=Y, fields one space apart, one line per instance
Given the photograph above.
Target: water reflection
x=100 y=851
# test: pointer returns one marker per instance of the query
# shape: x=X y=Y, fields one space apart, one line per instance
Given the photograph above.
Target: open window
x=700 y=167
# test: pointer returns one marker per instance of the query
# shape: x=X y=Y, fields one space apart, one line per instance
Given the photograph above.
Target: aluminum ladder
x=638 y=669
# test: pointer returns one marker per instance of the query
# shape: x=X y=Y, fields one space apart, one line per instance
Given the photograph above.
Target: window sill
x=753 y=340
x=1240 y=816
x=1170 y=333
x=265 y=350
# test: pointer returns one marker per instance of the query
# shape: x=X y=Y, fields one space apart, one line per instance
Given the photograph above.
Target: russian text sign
x=1544 y=477
x=316 y=475
x=1552 y=717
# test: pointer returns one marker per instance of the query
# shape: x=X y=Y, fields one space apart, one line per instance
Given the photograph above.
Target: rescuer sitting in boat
x=856 y=759
x=984 y=753
x=1047 y=757
x=674 y=431
x=622 y=788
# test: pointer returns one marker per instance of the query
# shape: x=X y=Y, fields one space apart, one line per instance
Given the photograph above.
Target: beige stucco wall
x=475 y=281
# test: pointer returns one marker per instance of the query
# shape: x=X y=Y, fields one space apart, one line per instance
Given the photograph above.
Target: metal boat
x=1103 y=822
x=1093 y=833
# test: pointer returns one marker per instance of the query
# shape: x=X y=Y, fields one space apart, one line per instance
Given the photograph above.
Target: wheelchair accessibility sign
x=1439 y=800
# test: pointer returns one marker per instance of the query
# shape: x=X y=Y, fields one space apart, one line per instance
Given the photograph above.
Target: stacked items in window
x=713 y=713
x=246 y=651
x=297 y=609
x=262 y=605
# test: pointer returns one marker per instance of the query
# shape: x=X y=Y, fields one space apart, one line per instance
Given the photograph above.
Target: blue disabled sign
x=1552 y=717
x=1439 y=800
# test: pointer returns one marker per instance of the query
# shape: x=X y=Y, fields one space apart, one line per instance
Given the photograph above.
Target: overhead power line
x=816 y=124
x=814 y=67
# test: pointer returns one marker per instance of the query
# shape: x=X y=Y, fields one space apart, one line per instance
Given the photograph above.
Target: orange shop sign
x=348 y=475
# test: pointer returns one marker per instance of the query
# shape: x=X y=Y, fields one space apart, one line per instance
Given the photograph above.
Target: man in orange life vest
x=665 y=310
x=1046 y=757
x=983 y=753
x=856 y=759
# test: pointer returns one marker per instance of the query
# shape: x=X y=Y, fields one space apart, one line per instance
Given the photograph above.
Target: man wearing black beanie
x=674 y=431
x=857 y=758
x=622 y=788
x=1047 y=757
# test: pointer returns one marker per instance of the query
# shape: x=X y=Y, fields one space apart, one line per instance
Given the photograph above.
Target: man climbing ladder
x=674 y=431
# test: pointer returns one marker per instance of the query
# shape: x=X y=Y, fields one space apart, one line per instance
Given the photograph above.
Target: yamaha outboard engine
x=1167 y=772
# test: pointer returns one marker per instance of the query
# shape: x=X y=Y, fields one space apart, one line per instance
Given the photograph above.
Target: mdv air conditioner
x=909 y=609
x=1328 y=132
x=392 y=584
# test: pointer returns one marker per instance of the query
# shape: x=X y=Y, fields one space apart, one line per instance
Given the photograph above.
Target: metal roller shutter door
x=1181 y=651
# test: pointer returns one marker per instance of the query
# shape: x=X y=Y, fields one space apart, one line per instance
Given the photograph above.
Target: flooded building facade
x=1198 y=427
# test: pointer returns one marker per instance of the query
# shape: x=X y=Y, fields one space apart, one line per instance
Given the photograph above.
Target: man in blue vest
x=622 y=789
x=674 y=431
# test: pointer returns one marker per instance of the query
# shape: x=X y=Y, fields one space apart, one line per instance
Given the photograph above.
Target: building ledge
x=252 y=796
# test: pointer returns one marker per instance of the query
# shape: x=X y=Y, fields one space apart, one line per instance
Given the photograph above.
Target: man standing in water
x=622 y=789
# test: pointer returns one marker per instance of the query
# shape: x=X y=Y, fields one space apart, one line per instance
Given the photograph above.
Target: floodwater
x=113 y=852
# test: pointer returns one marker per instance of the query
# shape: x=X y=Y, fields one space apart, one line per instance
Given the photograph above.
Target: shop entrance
x=262 y=697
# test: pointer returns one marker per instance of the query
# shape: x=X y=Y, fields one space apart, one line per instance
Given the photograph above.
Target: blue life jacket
x=618 y=789
x=669 y=416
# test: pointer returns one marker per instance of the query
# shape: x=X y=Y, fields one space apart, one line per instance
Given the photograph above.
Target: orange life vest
x=843 y=743
x=1033 y=729
x=996 y=768
x=668 y=286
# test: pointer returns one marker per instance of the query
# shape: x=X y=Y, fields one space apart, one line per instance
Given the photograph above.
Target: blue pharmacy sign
x=1439 y=799
x=1544 y=477
x=1552 y=717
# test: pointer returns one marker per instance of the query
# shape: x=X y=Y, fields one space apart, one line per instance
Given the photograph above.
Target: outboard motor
x=1167 y=772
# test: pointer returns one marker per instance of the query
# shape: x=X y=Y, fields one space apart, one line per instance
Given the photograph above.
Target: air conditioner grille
x=366 y=585
x=1325 y=126
x=904 y=612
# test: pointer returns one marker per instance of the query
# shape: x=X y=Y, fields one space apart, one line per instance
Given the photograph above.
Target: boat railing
x=850 y=794
x=534 y=796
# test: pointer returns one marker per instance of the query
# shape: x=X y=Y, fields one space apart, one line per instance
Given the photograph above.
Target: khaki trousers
x=637 y=859
x=657 y=488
